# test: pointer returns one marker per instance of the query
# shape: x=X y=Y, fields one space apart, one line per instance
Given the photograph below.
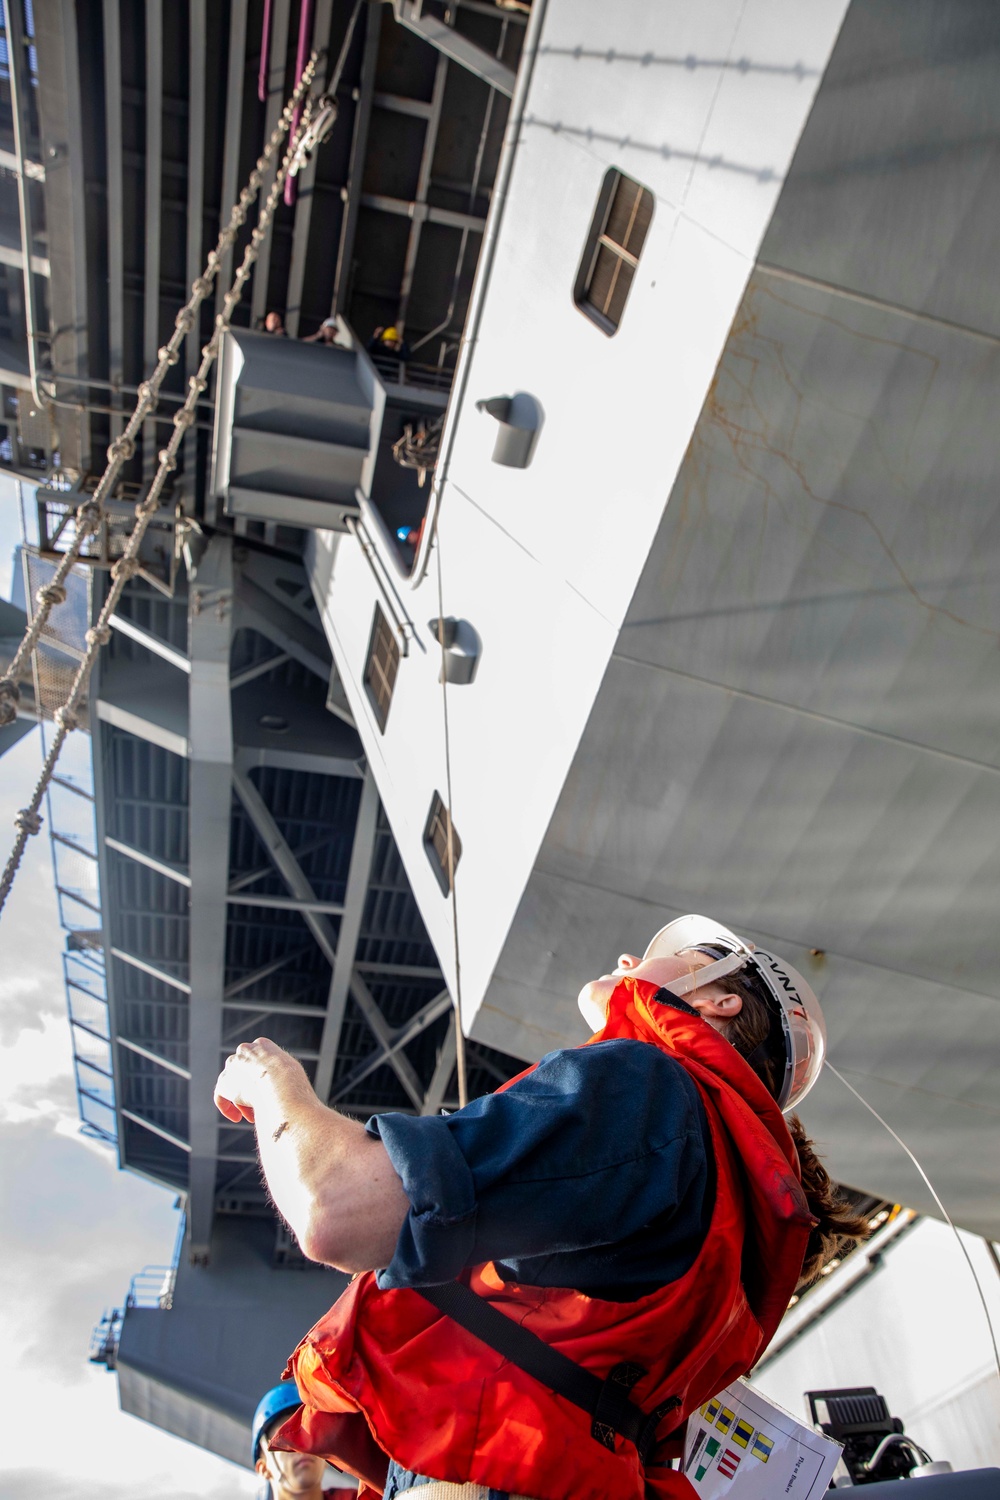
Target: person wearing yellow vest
x=553 y=1278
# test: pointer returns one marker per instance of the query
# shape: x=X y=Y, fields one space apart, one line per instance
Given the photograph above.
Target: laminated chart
x=742 y=1446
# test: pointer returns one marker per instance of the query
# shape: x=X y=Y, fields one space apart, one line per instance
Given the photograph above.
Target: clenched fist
x=254 y=1066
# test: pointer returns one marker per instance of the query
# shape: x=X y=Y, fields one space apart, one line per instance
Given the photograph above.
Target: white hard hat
x=788 y=995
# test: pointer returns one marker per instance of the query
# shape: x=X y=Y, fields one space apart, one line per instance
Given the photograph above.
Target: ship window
x=617 y=234
x=381 y=667
x=436 y=842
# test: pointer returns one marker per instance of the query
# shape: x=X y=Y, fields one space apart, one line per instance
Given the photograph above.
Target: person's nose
x=628 y=961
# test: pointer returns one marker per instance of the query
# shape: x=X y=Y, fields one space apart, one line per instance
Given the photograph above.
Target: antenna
x=933 y=1192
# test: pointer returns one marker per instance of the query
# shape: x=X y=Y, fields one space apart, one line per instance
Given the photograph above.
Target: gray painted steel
x=797 y=728
x=199 y=1368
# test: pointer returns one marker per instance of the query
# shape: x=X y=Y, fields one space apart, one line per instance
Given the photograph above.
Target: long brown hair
x=754 y=1036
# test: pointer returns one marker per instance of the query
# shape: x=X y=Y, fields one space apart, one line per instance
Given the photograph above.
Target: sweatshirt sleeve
x=581 y=1153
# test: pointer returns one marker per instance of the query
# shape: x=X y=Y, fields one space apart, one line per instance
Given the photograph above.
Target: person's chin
x=593 y=999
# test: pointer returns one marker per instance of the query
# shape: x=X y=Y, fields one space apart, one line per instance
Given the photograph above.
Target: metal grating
x=277 y=979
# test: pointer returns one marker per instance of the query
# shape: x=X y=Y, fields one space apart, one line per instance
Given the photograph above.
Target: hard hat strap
x=720 y=969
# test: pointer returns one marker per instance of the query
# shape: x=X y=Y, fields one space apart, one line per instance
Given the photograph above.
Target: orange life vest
x=442 y=1403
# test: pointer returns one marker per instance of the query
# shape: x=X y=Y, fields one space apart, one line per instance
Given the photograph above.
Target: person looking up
x=291 y=1476
x=557 y=1275
x=326 y=333
x=274 y=323
x=389 y=343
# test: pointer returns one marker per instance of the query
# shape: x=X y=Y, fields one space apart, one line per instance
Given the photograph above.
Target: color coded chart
x=740 y=1446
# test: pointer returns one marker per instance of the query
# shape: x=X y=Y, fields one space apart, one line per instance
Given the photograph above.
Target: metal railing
x=411 y=373
x=151 y=1289
x=70 y=819
x=105 y=1337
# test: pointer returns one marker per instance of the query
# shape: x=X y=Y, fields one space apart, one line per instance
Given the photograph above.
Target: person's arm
x=331 y=1180
x=584 y=1151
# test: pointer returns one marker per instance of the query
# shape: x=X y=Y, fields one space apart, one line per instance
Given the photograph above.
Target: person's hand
x=245 y=1074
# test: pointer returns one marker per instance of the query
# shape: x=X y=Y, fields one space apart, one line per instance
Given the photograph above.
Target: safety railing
x=73 y=837
x=105 y=1337
x=70 y=819
x=151 y=1289
x=411 y=373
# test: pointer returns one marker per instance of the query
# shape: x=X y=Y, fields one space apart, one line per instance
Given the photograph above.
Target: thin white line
x=811 y=713
x=933 y=1192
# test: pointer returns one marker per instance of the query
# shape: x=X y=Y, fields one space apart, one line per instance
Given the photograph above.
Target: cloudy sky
x=74 y=1229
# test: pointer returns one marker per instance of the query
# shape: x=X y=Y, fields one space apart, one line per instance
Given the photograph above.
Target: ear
x=719 y=1007
x=260 y=1467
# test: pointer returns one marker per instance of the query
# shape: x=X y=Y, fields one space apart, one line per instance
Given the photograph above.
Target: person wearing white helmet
x=795 y=1039
x=556 y=1275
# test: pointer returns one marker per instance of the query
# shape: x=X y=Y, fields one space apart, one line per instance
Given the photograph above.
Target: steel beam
x=285 y=862
x=402 y=1037
x=66 y=207
x=359 y=146
x=455 y=46
x=135 y=962
x=165 y=1135
x=197 y=32
x=259 y=669
x=410 y=210
x=423 y=184
x=154 y=195
x=275 y=103
x=266 y=971
x=399 y=971
x=281 y=626
x=16 y=60
x=11 y=255
x=488 y=1066
x=154 y=1057
x=231 y=147
x=150 y=642
x=379 y=1026
x=115 y=206
x=420 y=109
x=275 y=1007
x=304 y=201
x=441 y=1077
x=359 y=870
x=310 y=761
x=210 y=733
x=167 y=735
x=171 y=872
x=286 y=903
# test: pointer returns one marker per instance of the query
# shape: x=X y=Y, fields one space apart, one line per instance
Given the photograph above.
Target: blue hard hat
x=278 y=1401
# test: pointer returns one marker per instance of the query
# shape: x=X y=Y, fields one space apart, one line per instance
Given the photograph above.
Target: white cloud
x=36 y=1075
x=73 y=1232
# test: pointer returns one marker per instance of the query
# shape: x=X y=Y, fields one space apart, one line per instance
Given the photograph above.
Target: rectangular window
x=436 y=843
x=381 y=667
x=617 y=234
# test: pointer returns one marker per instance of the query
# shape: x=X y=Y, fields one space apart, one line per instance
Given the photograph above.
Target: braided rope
x=91 y=512
x=28 y=821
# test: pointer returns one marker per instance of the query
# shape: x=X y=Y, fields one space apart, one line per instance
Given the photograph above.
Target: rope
x=89 y=516
x=419 y=446
x=933 y=1192
x=463 y=1086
